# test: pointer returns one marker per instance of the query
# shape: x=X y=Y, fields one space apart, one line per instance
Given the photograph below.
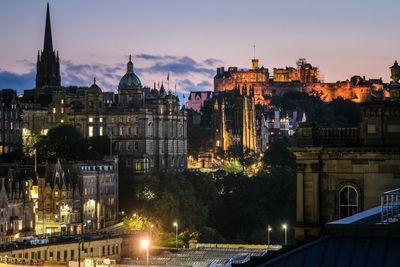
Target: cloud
x=185 y=73
x=213 y=61
x=17 y=81
x=204 y=84
x=107 y=76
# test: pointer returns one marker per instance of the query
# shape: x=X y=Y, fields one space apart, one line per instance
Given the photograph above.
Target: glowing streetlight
x=269 y=230
x=284 y=226
x=175 y=224
x=145 y=245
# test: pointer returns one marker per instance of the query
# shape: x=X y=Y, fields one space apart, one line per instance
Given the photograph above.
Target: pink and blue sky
x=190 y=39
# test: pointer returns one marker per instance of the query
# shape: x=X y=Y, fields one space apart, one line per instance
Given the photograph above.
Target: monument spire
x=48 y=41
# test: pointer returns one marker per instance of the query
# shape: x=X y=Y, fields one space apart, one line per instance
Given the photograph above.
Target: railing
x=390 y=206
x=310 y=135
x=337 y=134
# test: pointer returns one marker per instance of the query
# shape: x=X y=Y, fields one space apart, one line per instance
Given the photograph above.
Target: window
x=101 y=119
x=91 y=119
x=54 y=110
x=348 y=201
x=62 y=101
x=62 y=110
x=90 y=131
x=101 y=131
x=371 y=129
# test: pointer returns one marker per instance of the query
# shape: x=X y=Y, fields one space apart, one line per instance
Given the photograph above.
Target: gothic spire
x=48 y=41
x=48 y=65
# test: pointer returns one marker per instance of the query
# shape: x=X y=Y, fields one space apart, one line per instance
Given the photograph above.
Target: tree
x=199 y=140
x=278 y=154
x=64 y=142
x=170 y=196
x=345 y=111
x=99 y=146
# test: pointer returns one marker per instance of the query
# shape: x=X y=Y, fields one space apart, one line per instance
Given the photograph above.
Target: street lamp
x=269 y=230
x=145 y=245
x=284 y=226
x=176 y=233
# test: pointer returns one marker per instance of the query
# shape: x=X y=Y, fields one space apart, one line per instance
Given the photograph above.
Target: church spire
x=48 y=65
x=48 y=41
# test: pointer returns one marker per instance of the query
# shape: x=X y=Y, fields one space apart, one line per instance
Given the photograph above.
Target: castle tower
x=48 y=64
x=394 y=86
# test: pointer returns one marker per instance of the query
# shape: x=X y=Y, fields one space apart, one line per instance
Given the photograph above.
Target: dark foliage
x=199 y=140
x=64 y=142
x=338 y=111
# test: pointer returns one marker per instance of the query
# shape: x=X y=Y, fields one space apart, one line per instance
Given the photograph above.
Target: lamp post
x=284 y=226
x=80 y=247
x=145 y=244
x=176 y=233
x=269 y=230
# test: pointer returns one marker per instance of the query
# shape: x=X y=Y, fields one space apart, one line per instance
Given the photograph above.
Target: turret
x=395 y=72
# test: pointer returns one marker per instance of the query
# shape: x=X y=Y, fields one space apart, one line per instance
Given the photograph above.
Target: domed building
x=147 y=125
x=130 y=91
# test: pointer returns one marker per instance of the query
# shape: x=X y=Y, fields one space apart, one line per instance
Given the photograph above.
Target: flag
x=168 y=76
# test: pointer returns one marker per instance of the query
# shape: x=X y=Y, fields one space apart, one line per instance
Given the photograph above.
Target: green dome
x=130 y=79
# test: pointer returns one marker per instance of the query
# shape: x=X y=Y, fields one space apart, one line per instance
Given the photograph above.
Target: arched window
x=348 y=201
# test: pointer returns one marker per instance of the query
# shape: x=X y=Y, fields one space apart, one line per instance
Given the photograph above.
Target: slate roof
x=343 y=251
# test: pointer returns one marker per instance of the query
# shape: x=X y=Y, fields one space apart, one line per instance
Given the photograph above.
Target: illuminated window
x=101 y=131
x=62 y=110
x=62 y=101
x=90 y=119
x=101 y=119
x=90 y=131
x=54 y=110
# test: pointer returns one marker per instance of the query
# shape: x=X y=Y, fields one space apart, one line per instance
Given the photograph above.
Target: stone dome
x=130 y=80
x=94 y=88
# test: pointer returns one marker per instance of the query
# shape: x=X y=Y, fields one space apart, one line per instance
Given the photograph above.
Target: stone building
x=234 y=121
x=256 y=77
x=281 y=123
x=77 y=197
x=16 y=205
x=57 y=202
x=344 y=170
x=98 y=183
x=147 y=127
x=66 y=197
x=10 y=122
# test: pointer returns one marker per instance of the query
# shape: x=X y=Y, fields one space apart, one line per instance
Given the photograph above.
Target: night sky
x=190 y=39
